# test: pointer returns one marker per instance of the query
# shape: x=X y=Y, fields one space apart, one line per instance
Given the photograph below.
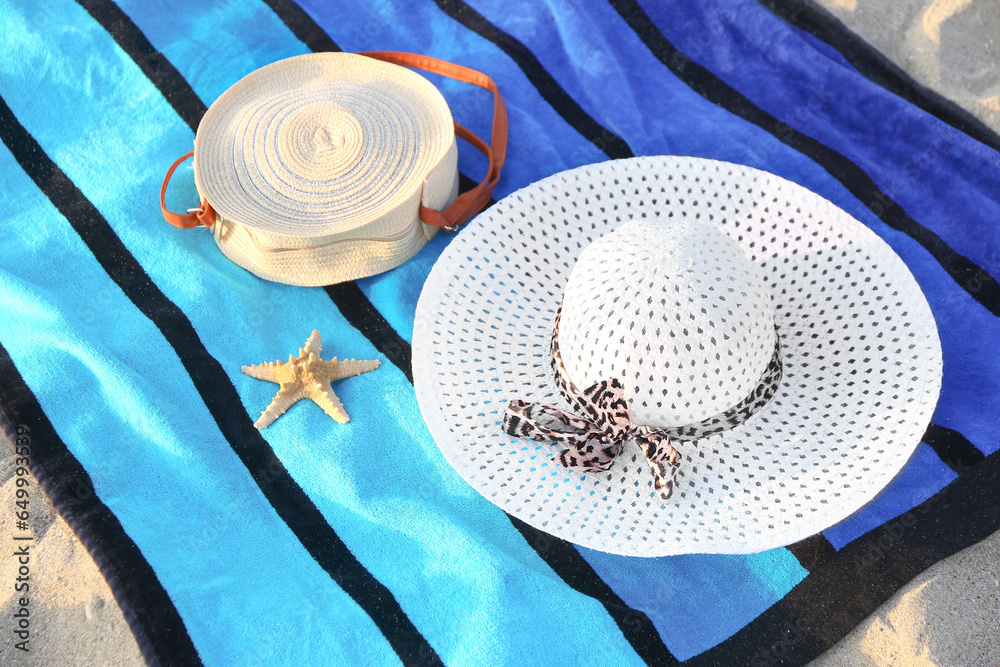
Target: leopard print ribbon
x=595 y=441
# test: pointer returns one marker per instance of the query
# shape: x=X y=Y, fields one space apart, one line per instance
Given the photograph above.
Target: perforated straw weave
x=676 y=312
x=317 y=165
x=861 y=356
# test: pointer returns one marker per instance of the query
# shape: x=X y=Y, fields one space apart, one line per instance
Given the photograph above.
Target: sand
x=946 y=616
x=949 y=46
x=73 y=618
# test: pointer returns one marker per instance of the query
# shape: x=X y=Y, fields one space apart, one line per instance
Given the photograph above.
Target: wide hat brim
x=861 y=355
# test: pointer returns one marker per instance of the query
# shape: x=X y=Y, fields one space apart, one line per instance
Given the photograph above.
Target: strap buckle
x=203 y=215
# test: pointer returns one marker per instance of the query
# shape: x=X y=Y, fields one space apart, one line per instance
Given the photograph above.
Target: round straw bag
x=329 y=167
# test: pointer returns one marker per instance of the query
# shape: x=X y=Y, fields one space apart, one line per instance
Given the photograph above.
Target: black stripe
x=604 y=139
x=363 y=316
x=813 y=551
x=828 y=603
x=816 y=20
x=571 y=567
x=302 y=25
x=158 y=627
x=975 y=281
x=291 y=503
x=558 y=554
x=465 y=184
x=153 y=64
x=954 y=449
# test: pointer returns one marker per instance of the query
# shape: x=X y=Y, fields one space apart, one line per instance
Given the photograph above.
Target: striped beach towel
x=312 y=542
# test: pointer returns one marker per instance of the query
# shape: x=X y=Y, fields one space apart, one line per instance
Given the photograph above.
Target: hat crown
x=676 y=312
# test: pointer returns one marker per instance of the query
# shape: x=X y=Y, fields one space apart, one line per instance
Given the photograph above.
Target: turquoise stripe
x=395 y=293
x=214 y=47
x=459 y=569
x=122 y=402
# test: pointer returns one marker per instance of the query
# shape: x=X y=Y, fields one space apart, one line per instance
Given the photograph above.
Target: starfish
x=307 y=376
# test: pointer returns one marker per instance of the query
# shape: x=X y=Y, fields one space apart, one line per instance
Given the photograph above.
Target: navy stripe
x=817 y=21
x=153 y=64
x=980 y=285
x=302 y=26
x=363 y=316
x=288 y=499
x=149 y=611
x=828 y=603
x=953 y=448
x=604 y=139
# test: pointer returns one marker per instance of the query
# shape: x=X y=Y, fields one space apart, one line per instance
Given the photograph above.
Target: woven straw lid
x=325 y=148
x=682 y=303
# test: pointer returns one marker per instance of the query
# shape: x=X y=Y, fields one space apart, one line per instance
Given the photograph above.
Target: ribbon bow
x=595 y=441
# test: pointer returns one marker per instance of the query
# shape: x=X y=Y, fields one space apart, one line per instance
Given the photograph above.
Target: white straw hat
x=775 y=343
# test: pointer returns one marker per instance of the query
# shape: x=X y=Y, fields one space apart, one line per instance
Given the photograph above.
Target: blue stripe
x=451 y=558
x=932 y=172
x=693 y=612
x=154 y=453
x=923 y=476
x=597 y=58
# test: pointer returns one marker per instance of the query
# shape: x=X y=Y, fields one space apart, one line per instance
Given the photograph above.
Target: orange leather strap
x=203 y=215
x=468 y=203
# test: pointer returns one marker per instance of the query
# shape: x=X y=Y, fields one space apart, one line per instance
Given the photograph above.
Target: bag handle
x=468 y=203
x=203 y=215
x=465 y=205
